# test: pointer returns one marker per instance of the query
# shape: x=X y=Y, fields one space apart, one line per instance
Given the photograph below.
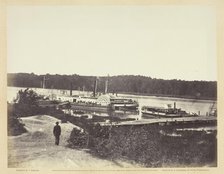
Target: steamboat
x=99 y=103
x=165 y=112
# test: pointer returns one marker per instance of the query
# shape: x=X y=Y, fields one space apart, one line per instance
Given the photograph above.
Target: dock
x=197 y=120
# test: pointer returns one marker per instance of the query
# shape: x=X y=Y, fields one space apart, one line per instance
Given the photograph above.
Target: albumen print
x=111 y=87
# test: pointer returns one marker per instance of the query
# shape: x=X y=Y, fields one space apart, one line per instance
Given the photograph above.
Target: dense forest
x=131 y=84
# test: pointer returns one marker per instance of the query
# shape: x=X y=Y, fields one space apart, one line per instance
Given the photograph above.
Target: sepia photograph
x=111 y=87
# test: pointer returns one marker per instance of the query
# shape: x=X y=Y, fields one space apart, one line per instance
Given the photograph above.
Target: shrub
x=78 y=139
x=148 y=147
x=15 y=127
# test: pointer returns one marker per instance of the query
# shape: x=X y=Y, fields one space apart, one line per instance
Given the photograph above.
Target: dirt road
x=36 y=148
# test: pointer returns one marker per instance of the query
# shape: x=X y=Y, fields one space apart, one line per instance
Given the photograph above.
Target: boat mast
x=44 y=82
x=71 y=87
x=44 y=79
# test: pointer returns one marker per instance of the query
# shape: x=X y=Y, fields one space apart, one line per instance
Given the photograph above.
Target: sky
x=167 y=42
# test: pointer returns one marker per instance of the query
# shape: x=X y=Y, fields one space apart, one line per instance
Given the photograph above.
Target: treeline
x=119 y=84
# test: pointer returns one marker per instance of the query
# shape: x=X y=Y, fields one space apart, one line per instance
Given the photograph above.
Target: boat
x=124 y=104
x=164 y=111
x=100 y=103
x=105 y=103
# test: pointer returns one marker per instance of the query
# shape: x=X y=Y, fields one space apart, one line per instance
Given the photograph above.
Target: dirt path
x=36 y=148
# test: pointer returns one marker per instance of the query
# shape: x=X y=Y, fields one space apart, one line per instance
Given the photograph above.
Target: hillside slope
x=36 y=148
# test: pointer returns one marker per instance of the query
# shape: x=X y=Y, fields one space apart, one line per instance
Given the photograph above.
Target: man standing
x=57 y=133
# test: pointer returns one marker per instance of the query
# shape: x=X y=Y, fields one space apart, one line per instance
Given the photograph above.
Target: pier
x=197 y=121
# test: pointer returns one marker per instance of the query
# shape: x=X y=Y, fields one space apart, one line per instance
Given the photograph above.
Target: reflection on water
x=189 y=105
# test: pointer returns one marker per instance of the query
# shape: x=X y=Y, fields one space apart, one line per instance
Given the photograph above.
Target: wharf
x=197 y=120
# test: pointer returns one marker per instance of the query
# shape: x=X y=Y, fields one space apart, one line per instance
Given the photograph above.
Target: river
x=189 y=105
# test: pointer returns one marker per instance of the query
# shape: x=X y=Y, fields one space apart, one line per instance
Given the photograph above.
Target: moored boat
x=124 y=104
x=103 y=103
x=164 y=111
x=100 y=103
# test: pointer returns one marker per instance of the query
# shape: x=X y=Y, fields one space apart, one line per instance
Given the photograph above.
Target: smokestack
x=71 y=89
x=95 y=87
x=106 y=84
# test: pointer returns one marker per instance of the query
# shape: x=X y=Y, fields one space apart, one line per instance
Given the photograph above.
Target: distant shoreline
x=128 y=84
x=171 y=96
